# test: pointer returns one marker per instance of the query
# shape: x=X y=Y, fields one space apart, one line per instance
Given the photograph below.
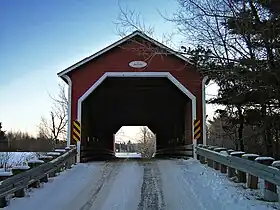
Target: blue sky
x=40 y=38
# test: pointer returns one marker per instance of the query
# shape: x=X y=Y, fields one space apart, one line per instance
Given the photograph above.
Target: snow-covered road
x=139 y=185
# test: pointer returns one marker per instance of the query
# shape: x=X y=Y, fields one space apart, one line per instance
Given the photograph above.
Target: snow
x=60 y=150
x=128 y=155
x=250 y=155
x=237 y=153
x=219 y=148
x=276 y=164
x=224 y=153
x=126 y=184
x=35 y=161
x=46 y=156
x=264 y=158
x=23 y=167
x=5 y=173
x=53 y=153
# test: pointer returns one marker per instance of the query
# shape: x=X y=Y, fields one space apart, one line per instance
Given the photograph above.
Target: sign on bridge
x=76 y=131
x=197 y=129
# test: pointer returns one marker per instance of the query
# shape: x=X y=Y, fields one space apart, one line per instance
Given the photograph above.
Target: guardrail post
x=231 y=171
x=68 y=163
x=17 y=170
x=252 y=181
x=217 y=164
x=210 y=162
x=201 y=158
x=240 y=174
x=270 y=189
x=197 y=155
x=223 y=168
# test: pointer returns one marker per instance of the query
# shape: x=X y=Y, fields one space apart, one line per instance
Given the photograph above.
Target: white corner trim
x=119 y=42
x=204 y=110
x=69 y=109
x=137 y=74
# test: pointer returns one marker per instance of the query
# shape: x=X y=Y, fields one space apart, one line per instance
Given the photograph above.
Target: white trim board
x=139 y=74
x=69 y=110
x=119 y=42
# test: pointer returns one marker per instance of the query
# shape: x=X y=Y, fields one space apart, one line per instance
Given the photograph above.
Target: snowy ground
x=140 y=185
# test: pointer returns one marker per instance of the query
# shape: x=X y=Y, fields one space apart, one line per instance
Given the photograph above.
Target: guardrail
x=39 y=171
x=248 y=168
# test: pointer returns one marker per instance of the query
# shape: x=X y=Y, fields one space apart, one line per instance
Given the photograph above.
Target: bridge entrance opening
x=135 y=142
x=152 y=101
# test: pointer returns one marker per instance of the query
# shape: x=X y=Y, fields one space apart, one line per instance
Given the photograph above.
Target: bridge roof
x=119 y=42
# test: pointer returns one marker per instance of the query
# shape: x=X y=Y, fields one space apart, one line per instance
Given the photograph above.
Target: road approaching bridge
x=139 y=184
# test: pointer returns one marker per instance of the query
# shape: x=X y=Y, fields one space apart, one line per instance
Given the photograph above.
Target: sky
x=38 y=39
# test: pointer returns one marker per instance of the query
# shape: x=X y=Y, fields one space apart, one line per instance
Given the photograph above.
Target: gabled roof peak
x=119 y=42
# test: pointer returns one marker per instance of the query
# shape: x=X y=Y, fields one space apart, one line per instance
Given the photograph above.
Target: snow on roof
x=25 y=167
x=53 y=153
x=35 y=161
x=6 y=173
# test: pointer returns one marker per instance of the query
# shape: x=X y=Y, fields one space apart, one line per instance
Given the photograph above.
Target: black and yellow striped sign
x=76 y=131
x=197 y=129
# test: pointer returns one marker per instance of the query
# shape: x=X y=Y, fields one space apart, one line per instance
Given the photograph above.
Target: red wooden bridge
x=134 y=81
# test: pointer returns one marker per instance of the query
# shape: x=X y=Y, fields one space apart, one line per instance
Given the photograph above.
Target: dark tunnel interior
x=155 y=102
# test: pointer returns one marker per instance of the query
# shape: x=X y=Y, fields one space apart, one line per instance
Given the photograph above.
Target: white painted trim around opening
x=138 y=74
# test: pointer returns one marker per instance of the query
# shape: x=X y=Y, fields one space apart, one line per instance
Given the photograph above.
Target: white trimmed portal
x=143 y=75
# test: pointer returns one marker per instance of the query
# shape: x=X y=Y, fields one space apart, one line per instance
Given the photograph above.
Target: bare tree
x=147 y=142
x=5 y=159
x=55 y=126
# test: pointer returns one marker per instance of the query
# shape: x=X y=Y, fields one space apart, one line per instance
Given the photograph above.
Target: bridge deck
x=140 y=185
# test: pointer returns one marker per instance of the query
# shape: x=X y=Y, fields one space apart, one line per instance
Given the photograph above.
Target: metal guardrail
x=23 y=180
x=247 y=168
x=268 y=173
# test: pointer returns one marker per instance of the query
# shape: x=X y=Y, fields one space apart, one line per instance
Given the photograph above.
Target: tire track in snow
x=110 y=171
x=151 y=190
